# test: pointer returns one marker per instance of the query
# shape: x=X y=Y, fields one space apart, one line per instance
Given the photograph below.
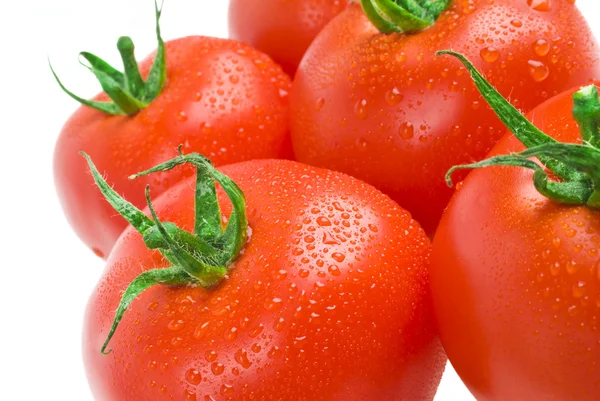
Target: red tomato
x=222 y=98
x=281 y=28
x=383 y=108
x=328 y=301
x=516 y=281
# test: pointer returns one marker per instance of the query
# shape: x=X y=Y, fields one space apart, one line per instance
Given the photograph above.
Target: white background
x=47 y=273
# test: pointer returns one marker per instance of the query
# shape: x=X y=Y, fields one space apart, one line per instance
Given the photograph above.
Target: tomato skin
x=516 y=281
x=281 y=28
x=385 y=109
x=329 y=301
x=222 y=99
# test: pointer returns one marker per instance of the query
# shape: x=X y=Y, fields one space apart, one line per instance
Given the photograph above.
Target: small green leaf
x=105 y=107
x=133 y=80
x=158 y=73
x=98 y=64
x=133 y=215
x=170 y=276
x=516 y=122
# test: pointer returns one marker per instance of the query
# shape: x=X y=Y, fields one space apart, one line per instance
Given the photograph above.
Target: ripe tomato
x=383 y=108
x=327 y=301
x=516 y=280
x=222 y=98
x=281 y=28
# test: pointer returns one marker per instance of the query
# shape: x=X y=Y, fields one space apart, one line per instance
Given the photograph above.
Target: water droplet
x=538 y=70
x=273 y=304
x=555 y=269
x=231 y=334
x=541 y=47
x=338 y=257
x=556 y=242
x=153 y=306
x=274 y=353
x=360 y=109
x=329 y=240
x=182 y=116
x=406 y=131
x=175 y=325
x=393 y=97
x=334 y=270
x=211 y=356
x=490 y=54
x=303 y=273
x=226 y=389
x=217 y=368
x=401 y=57
x=200 y=330
x=572 y=267
x=256 y=348
x=319 y=104
x=373 y=228
x=234 y=79
x=579 y=289
x=323 y=221
x=516 y=23
x=256 y=331
x=539 y=5
x=189 y=395
x=193 y=376
x=279 y=324
x=241 y=357
x=152 y=384
x=98 y=253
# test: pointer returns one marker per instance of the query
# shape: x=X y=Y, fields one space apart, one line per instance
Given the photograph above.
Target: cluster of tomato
x=266 y=278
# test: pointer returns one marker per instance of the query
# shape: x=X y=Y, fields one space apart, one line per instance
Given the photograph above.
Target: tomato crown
x=127 y=90
x=576 y=166
x=403 y=16
x=200 y=258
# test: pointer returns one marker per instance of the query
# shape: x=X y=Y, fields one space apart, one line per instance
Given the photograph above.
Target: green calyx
x=202 y=258
x=577 y=167
x=127 y=90
x=403 y=16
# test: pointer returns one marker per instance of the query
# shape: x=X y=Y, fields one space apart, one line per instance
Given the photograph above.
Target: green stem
x=133 y=78
x=170 y=276
x=403 y=16
x=576 y=166
x=586 y=112
x=128 y=91
x=202 y=258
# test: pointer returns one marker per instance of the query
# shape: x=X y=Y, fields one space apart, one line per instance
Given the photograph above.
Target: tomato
x=222 y=98
x=383 y=108
x=328 y=300
x=281 y=28
x=516 y=280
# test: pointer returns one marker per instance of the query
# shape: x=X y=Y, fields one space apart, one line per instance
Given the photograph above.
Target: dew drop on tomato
x=193 y=376
x=393 y=97
x=539 y=5
x=217 y=368
x=360 y=109
x=541 y=47
x=490 y=54
x=319 y=104
x=189 y=395
x=538 y=70
x=406 y=131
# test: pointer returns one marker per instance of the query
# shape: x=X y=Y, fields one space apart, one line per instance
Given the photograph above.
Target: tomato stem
x=128 y=91
x=403 y=16
x=201 y=258
x=586 y=112
x=576 y=166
